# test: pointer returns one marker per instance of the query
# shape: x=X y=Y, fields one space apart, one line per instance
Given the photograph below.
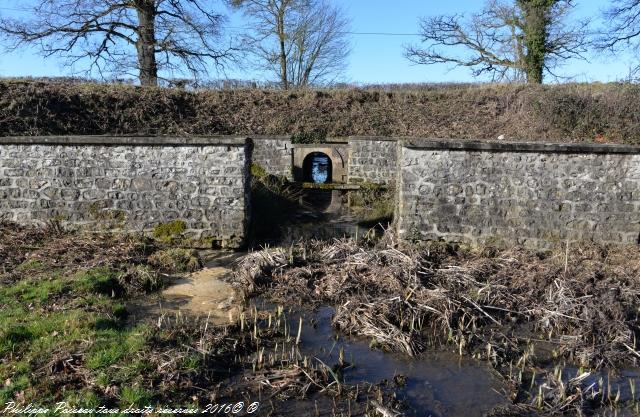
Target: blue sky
x=374 y=59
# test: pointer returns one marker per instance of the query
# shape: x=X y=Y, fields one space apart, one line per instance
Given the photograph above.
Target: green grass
x=30 y=291
x=113 y=345
x=98 y=281
x=30 y=264
x=51 y=315
x=191 y=362
x=65 y=334
x=136 y=396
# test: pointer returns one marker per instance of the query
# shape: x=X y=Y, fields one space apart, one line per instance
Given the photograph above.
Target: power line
x=249 y=28
x=14 y=9
x=383 y=33
x=341 y=32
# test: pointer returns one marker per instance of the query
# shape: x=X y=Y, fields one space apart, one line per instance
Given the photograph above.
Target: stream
x=435 y=384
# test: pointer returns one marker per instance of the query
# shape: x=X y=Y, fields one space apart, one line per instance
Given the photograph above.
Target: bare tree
x=302 y=42
x=117 y=36
x=623 y=29
x=519 y=40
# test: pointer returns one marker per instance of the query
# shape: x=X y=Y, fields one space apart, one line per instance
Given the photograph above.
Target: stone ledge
x=270 y=137
x=494 y=146
x=126 y=140
x=378 y=138
x=320 y=145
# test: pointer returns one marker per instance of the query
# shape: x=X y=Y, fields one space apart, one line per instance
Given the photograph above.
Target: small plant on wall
x=313 y=136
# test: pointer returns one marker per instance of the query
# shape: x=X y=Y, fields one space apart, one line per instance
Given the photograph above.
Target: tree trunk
x=284 y=76
x=536 y=33
x=146 y=43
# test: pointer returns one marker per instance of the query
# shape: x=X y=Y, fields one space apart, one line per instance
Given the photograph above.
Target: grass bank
x=566 y=112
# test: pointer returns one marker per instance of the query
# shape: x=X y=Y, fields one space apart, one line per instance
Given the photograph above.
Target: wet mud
x=203 y=293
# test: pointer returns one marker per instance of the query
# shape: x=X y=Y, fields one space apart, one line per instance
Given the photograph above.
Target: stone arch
x=337 y=154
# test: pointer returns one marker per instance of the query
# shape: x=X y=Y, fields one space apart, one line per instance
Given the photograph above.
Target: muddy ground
x=206 y=292
x=69 y=334
x=318 y=328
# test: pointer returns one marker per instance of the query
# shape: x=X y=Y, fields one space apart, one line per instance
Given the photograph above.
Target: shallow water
x=205 y=293
x=437 y=384
x=327 y=216
x=612 y=384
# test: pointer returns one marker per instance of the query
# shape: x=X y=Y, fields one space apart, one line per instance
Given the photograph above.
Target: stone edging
x=125 y=140
x=494 y=146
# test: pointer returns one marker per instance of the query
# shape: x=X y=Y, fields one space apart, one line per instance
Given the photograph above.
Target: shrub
x=176 y=260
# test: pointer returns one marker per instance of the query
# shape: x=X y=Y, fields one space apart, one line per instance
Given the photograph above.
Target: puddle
x=436 y=384
x=203 y=293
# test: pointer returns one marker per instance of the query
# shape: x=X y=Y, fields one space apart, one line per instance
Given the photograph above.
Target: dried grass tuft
x=585 y=305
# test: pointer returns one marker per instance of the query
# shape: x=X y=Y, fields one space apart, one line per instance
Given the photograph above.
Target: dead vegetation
x=520 y=310
x=567 y=112
x=65 y=336
x=176 y=260
x=51 y=246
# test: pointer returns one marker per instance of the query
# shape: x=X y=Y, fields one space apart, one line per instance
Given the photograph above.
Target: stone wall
x=372 y=160
x=274 y=154
x=368 y=159
x=525 y=193
x=129 y=183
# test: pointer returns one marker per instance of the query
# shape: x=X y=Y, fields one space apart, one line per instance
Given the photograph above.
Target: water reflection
x=320 y=167
x=436 y=384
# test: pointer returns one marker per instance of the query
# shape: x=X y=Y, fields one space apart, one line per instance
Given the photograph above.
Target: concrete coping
x=320 y=145
x=270 y=137
x=378 y=138
x=494 y=146
x=126 y=140
x=330 y=140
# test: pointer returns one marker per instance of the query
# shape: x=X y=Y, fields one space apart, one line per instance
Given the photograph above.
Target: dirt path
x=203 y=293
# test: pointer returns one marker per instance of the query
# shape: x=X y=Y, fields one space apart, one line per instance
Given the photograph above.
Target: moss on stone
x=317 y=186
x=169 y=232
x=98 y=212
x=257 y=171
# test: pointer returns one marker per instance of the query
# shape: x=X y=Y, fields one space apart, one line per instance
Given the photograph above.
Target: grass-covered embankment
x=565 y=112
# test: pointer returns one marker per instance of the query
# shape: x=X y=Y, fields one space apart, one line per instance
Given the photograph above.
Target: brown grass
x=568 y=112
x=586 y=304
x=55 y=247
x=524 y=312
